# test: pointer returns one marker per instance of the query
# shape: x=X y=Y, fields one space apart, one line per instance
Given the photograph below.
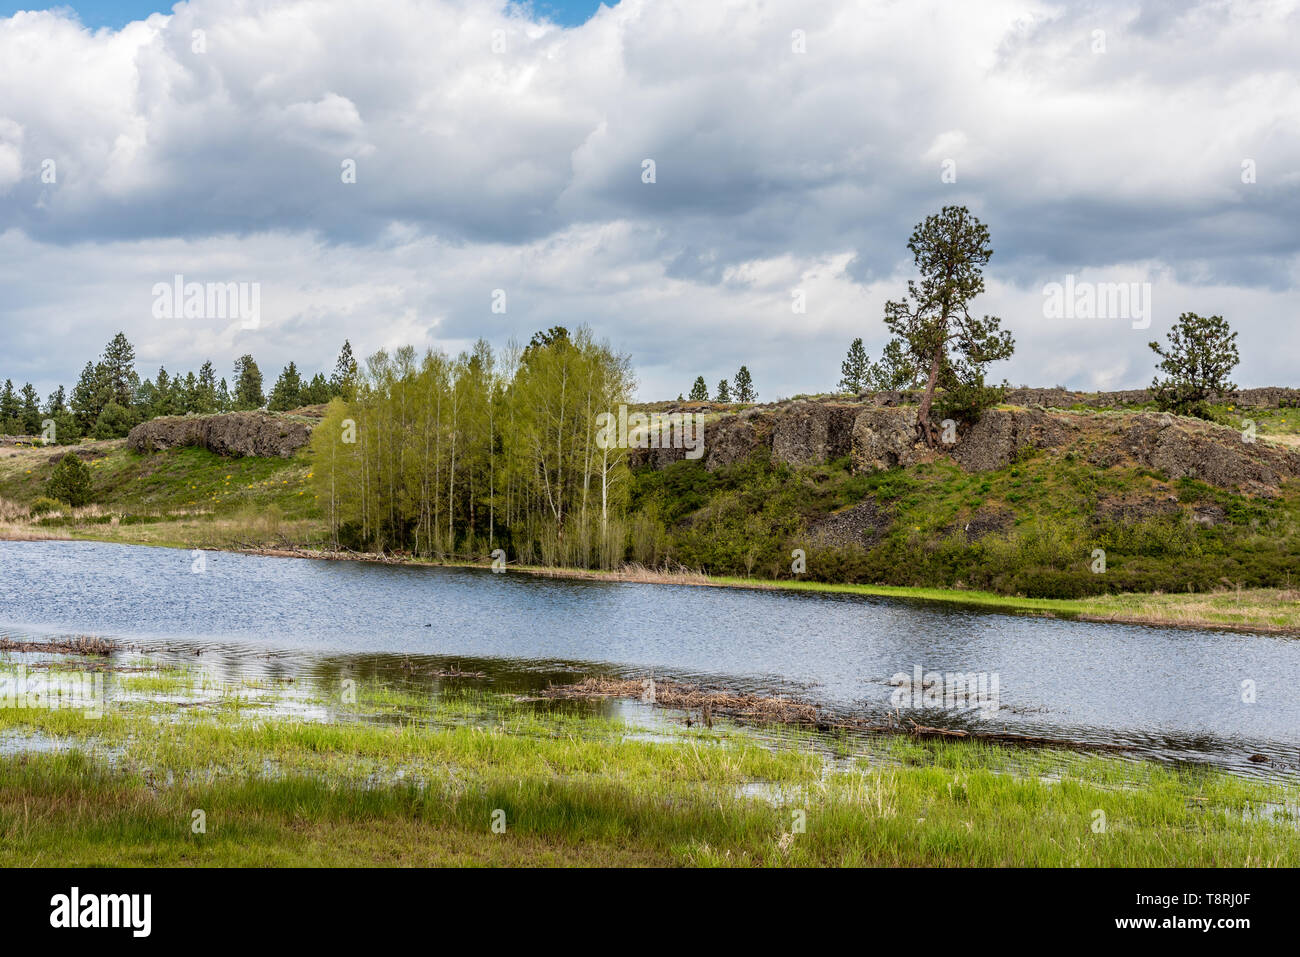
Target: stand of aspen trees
x=444 y=457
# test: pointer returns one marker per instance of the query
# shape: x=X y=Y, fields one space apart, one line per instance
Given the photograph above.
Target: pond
x=1168 y=693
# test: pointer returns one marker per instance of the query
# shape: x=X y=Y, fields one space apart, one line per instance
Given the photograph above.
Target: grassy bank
x=185 y=498
x=399 y=777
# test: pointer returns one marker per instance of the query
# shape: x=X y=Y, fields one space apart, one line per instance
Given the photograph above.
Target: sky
x=428 y=172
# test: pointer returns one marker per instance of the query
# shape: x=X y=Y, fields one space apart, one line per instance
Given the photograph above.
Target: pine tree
x=315 y=392
x=724 y=391
x=894 y=371
x=119 y=370
x=744 y=386
x=31 y=410
x=206 y=391
x=1202 y=353
x=162 y=394
x=699 y=391
x=286 y=393
x=189 y=393
x=343 y=381
x=11 y=408
x=89 y=395
x=70 y=482
x=57 y=402
x=854 y=369
x=248 y=384
x=949 y=345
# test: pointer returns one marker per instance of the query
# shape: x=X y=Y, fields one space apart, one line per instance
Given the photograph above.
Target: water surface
x=1175 y=694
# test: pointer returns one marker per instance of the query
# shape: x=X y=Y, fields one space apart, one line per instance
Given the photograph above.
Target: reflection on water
x=1175 y=694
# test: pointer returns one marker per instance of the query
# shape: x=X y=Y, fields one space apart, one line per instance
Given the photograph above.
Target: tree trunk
x=923 y=413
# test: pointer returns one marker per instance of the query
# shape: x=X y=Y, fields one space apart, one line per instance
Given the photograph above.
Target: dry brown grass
x=629 y=572
x=671 y=694
x=80 y=645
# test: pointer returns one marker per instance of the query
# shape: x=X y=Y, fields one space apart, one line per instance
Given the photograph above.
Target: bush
x=44 y=505
x=70 y=482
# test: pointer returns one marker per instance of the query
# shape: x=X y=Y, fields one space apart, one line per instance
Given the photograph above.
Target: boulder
x=235 y=434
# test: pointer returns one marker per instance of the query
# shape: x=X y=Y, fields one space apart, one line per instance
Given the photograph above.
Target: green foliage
x=744 y=386
x=70 y=482
x=447 y=456
x=287 y=392
x=1201 y=354
x=44 y=505
x=248 y=384
x=343 y=381
x=745 y=519
x=724 y=391
x=947 y=345
x=896 y=370
x=855 y=369
x=114 y=421
x=965 y=400
x=699 y=391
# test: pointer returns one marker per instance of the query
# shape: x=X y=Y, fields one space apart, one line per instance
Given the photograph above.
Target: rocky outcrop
x=809 y=432
x=1001 y=435
x=885 y=438
x=1181 y=447
x=881 y=435
x=1271 y=397
x=235 y=434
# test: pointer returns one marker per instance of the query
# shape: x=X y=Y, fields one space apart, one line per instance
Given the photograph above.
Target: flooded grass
x=332 y=770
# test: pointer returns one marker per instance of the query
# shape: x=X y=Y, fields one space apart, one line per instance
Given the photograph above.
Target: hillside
x=1017 y=506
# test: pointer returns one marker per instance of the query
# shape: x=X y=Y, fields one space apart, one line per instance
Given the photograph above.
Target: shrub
x=44 y=505
x=70 y=482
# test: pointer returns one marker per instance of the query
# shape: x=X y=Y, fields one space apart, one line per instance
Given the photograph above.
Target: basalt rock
x=811 y=432
x=1215 y=454
x=883 y=436
x=1002 y=435
x=863 y=524
x=234 y=434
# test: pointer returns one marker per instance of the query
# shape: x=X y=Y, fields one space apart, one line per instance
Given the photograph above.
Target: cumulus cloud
x=795 y=145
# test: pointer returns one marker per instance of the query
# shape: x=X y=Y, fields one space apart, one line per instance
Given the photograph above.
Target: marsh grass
x=422 y=785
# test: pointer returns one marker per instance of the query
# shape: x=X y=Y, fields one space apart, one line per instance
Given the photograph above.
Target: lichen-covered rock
x=1215 y=454
x=735 y=438
x=235 y=434
x=885 y=438
x=1000 y=436
x=811 y=432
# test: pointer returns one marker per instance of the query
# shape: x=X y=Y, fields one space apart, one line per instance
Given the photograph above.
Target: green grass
x=182 y=497
x=278 y=790
x=1037 y=524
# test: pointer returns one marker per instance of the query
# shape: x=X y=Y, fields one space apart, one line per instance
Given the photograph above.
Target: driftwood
x=81 y=645
x=779 y=710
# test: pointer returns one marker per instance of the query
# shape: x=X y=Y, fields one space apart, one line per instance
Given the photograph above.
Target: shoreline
x=1153 y=609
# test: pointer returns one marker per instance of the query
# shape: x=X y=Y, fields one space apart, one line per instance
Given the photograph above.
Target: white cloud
x=521 y=169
